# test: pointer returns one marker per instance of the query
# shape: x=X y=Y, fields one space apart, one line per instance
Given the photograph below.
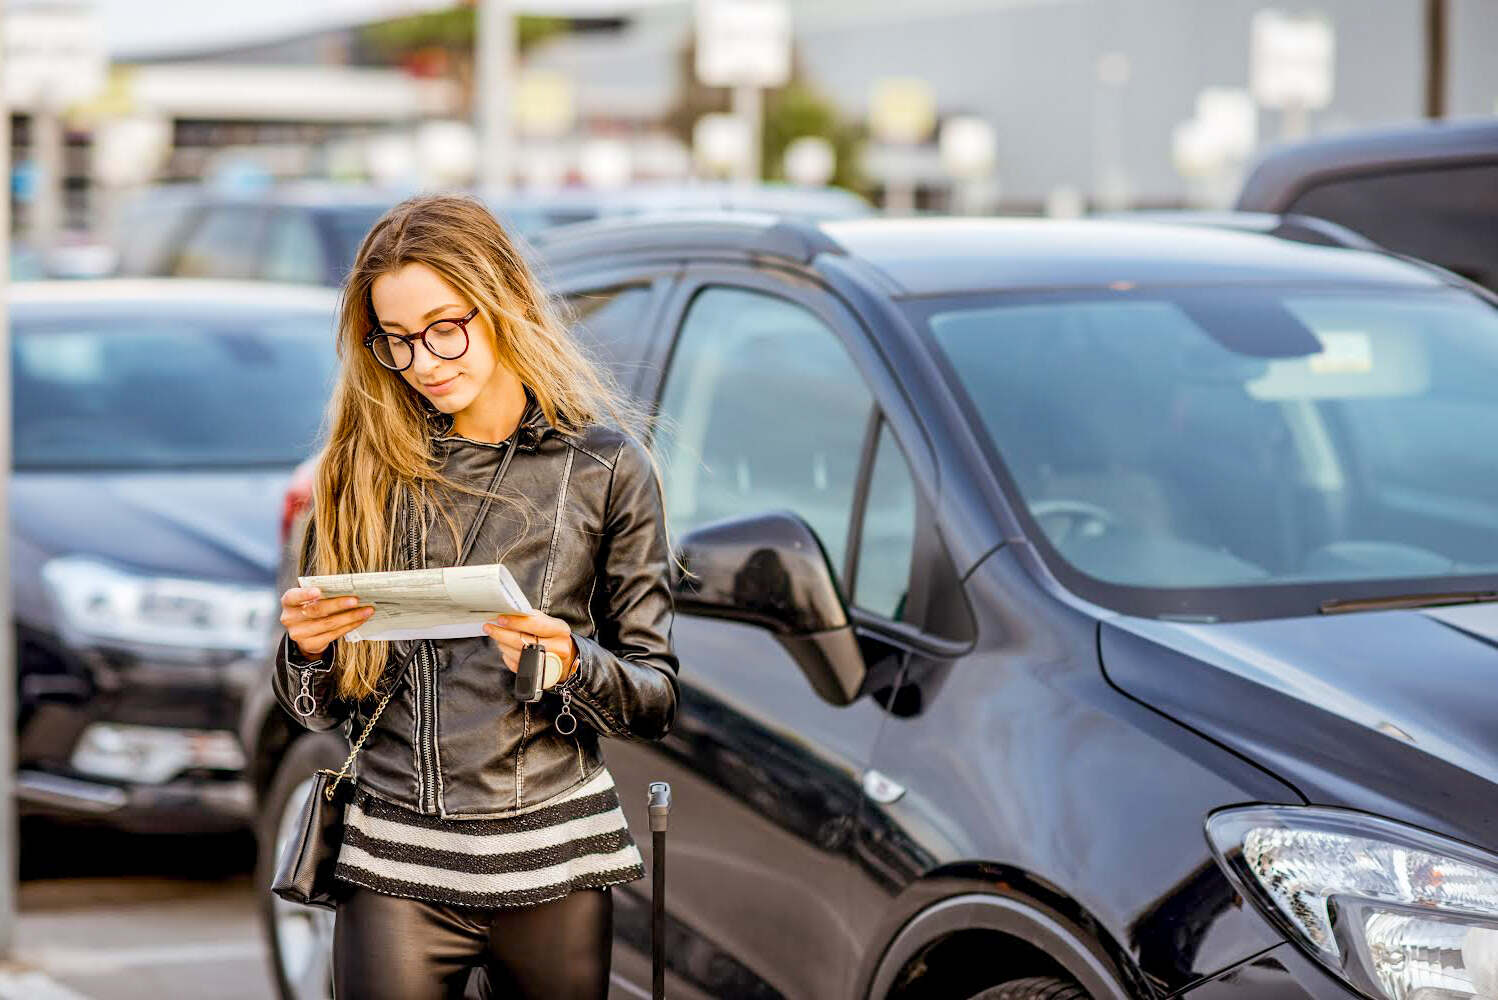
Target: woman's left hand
x=511 y=632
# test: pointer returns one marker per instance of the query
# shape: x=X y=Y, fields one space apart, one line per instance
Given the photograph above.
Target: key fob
x=530 y=671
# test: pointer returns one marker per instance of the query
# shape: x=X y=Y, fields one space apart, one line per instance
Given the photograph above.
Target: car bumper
x=1281 y=973
x=183 y=805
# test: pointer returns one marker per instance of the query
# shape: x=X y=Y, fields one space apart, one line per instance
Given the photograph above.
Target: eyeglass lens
x=445 y=340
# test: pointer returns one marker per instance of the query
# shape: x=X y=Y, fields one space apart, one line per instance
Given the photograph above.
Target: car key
x=529 y=672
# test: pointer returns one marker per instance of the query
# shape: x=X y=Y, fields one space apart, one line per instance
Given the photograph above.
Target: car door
x=764 y=403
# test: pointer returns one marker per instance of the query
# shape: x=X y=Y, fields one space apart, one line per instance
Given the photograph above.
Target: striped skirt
x=578 y=841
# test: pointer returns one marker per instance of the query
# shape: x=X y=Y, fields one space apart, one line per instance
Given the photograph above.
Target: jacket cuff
x=602 y=692
x=296 y=658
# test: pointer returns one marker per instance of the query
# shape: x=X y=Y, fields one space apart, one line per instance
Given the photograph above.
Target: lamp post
x=8 y=837
x=745 y=45
x=1291 y=66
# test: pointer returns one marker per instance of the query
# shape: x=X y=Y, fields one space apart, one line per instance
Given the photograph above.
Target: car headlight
x=1397 y=912
x=103 y=603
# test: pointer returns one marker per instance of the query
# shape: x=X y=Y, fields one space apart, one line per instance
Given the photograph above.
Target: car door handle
x=880 y=788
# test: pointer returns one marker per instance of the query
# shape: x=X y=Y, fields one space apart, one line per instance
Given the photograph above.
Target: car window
x=169 y=390
x=887 y=536
x=762 y=409
x=293 y=251
x=1446 y=215
x=611 y=321
x=222 y=246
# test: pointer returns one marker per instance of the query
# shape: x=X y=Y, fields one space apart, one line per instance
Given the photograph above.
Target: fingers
x=332 y=626
x=296 y=612
x=509 y=644
x=535 y=624
x=297 y=596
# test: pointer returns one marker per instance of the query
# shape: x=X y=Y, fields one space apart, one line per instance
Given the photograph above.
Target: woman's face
x=406 y=301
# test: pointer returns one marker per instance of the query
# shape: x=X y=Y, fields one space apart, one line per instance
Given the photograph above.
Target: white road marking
x=34 y=986
x=96 y=961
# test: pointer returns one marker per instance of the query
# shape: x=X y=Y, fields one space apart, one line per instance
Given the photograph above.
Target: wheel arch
x=975 y=896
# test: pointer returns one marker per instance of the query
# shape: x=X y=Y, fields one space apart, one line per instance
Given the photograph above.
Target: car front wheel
x=1034 y=988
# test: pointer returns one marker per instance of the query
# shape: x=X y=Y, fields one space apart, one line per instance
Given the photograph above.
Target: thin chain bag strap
x=343 y=769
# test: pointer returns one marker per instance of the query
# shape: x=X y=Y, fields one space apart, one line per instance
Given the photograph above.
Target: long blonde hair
x=378 y=427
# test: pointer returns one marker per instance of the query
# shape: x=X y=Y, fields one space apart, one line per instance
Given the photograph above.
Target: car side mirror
x=770 y=570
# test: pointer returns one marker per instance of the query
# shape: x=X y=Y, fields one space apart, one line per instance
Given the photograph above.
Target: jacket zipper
x=426 y=681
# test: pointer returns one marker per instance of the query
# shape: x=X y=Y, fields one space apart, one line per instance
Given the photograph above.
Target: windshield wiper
x=1407 y=601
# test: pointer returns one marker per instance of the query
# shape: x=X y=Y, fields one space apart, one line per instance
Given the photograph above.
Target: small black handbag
x=304 y=872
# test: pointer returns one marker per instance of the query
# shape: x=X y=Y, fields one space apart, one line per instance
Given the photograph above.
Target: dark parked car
x=155 y=426
x=1428 y=190
x=306 y=233
x=1101 y=609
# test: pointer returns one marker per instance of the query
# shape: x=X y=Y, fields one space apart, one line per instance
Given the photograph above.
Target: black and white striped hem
x=579 y=842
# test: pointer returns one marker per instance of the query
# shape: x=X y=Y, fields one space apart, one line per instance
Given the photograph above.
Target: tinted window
x=134 y=391
x=347 y=226
x=1194 y=447
x=224 y=244
x=1446 y=215
x=293 y=251
x=762 y=409
x=612 y=322
x=888 y=533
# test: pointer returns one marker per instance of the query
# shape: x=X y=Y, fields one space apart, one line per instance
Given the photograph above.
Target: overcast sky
x=132 y=26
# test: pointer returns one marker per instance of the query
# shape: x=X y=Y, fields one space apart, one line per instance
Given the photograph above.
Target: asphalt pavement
x=112 y=916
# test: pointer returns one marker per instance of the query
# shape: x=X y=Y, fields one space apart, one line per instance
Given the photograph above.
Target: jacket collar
x=533 y=423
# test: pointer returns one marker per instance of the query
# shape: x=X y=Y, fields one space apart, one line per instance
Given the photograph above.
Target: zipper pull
x=566 y=722
x=304 y=696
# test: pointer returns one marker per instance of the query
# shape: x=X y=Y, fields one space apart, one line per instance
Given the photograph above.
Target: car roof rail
x=758 y=233
x=1287 y=226
x=1310 y=229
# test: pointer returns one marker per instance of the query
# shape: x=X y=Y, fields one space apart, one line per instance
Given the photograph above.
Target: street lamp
x=1291 y=66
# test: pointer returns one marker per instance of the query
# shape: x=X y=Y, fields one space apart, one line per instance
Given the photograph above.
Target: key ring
x=305 y=692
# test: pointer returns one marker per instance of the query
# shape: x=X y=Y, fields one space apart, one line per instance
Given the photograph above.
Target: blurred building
x=1084 y=95
x=1084 y=98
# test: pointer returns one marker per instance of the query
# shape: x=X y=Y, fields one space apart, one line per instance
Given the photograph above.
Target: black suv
x=1081 y=609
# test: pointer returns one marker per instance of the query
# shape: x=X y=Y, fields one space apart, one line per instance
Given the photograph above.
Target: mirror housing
x=770 y=570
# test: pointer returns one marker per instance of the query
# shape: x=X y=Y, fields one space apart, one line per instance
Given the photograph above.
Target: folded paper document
x=445 y=603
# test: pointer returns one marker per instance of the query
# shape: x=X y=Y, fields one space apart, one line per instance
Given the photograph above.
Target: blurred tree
x=440 y=43
x=790 y=112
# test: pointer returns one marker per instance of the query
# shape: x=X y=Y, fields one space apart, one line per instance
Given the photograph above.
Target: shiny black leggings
x=404 y=949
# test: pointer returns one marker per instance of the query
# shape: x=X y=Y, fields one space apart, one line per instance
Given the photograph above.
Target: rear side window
x=611 y=321
x=1446 y=215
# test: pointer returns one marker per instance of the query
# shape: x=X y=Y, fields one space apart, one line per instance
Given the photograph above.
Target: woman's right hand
x=313 y=622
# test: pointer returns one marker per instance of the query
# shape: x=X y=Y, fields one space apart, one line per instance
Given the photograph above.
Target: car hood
x=220 y=525
x=1392 y=712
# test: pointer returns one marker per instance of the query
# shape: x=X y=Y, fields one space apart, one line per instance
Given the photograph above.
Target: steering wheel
x=1068 y=520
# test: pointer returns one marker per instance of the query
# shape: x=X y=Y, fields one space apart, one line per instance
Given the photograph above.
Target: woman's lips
x=438 y=388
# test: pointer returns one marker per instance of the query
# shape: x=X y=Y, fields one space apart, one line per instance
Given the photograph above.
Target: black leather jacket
x=453 y=741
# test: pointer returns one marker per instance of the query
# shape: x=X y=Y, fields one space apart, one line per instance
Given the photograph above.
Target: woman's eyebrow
x=430 y=313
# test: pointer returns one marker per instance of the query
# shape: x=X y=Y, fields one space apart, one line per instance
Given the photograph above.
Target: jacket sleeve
x=292 y=667
x=626 y=683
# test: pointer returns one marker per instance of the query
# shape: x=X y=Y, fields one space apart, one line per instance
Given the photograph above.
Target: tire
x=1034 y=988
x=299 y=938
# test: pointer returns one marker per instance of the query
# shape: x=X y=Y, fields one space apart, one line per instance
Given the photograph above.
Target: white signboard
x=53 y=55
x=1291 y=60
x=743 y=43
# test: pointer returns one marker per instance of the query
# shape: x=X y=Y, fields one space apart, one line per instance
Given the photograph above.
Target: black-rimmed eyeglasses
x=444 y=338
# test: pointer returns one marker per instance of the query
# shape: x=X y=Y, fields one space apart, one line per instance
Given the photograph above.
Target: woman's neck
x=494 y=414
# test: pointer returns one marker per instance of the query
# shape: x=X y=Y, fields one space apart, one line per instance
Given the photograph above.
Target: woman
x=484 y=830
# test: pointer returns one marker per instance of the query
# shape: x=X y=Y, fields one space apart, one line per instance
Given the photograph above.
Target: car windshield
x=1230 y=452
x=140 y=392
